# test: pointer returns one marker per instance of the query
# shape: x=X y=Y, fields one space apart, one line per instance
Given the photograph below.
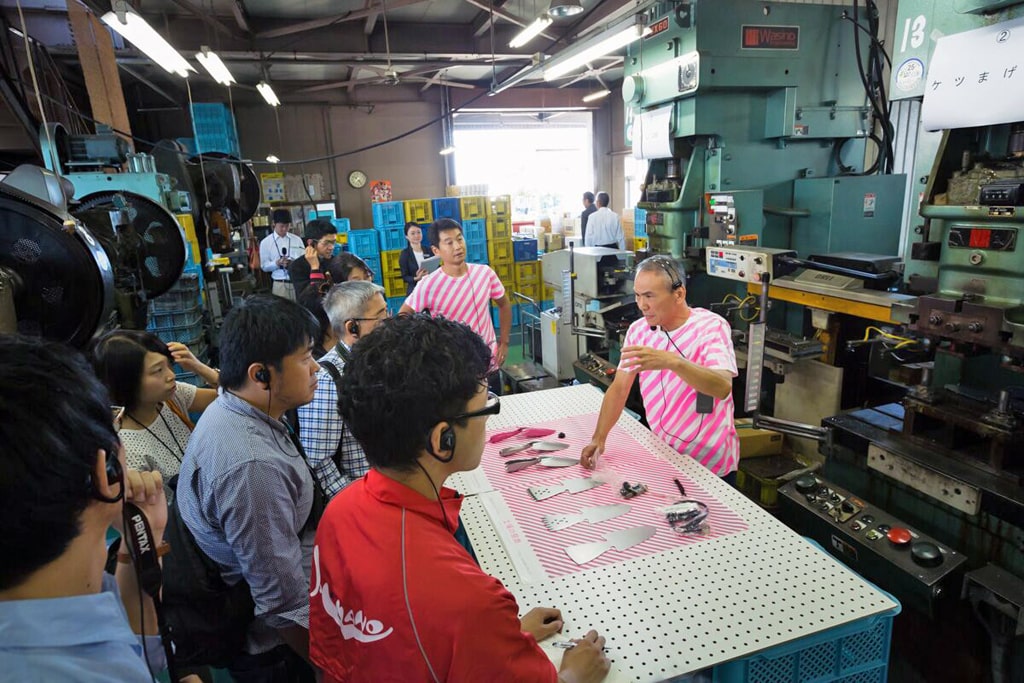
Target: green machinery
x=767 y=115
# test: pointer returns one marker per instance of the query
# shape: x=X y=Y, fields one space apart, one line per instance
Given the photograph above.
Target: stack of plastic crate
x=391 y=271
x=499 y=239
x=527 y=274
x=447 y=207
x=419 y=211
x=366 y=245
x=214 y=128
x=177 y=316
x=474 y=231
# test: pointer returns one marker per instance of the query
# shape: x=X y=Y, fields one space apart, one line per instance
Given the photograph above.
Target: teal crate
x=374 y=263
x=474 y=230
x=476 y=252
x=190 y=335
x=341 y=224
x=640 y=222
x=364 y=243
x=496 y=318
x=183 y=318
x=214 y=128
x=392 y=238
x=446 y=207
x=320 y=213
x=388 y=214
x=858 y=651
x=395 y=304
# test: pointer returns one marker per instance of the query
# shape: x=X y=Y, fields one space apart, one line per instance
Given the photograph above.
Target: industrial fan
x=67 y=273
x=231 y=194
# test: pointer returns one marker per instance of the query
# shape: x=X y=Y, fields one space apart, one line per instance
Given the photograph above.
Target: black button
x=926 y=554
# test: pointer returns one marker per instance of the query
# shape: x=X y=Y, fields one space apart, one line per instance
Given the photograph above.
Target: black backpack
x=206 y=618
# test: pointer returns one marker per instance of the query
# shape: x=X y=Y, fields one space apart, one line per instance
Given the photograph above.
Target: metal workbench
x=673 y=613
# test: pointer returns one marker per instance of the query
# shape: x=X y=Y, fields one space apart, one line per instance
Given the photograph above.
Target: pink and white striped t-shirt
x=704 y=339
x=466 y=299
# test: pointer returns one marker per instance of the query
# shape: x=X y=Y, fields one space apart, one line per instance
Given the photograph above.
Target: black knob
x=975 y=327
x=867 y=519
x=847 y=507
x=935 y=319
x=926 y=554
x=883 y=528
x=806 y=483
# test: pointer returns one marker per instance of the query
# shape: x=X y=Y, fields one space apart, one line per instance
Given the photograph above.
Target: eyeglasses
x=383 y=315
x=492 y=407
x=327 y=240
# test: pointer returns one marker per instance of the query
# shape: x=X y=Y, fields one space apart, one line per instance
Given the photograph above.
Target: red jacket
x=392 y=589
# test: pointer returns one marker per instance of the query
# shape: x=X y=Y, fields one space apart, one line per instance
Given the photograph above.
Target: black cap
x=281 y=216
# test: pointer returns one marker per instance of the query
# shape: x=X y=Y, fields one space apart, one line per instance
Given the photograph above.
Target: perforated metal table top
x=680 y=611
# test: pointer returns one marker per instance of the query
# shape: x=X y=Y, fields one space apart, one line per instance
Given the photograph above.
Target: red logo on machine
x=771 y=37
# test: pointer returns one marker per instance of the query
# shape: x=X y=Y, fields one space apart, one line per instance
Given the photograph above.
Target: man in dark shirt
x=320 y=238
x=588 y=208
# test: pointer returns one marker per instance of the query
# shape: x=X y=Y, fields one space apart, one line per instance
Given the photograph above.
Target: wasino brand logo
x=353 y=625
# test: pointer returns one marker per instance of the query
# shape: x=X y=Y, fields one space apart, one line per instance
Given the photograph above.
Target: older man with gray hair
x=354 y=309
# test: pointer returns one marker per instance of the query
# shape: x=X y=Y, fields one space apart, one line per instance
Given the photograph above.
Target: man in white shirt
x=604 y=228
x=277 y=251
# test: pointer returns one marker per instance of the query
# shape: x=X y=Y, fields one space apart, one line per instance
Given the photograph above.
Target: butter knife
x=570 y=485
x=618 y=540
x=599 y=513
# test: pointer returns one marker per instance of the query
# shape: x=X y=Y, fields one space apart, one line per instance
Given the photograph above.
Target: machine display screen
x=993 y=239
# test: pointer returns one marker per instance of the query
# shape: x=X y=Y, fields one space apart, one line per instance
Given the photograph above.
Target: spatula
x=533 y=446
x=598 y=513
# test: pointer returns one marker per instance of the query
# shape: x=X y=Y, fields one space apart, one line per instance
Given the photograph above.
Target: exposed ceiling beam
x=205 y=17
x=303 y=26
x=151 y=85
x=241 y=15
x=591 y=72
x=482 y=22
x=371 y=21
x=511 y=18
x=352 y=80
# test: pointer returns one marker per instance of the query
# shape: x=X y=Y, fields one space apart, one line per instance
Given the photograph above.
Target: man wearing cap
x=277 y=251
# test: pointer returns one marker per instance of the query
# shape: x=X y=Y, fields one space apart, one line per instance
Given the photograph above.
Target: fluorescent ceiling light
x=450 y=149
x=531 y=31
x=268 y=93
x=596 y=95
x=211 y=62
x=272 y=158
x=140 y=34
x=612 y=43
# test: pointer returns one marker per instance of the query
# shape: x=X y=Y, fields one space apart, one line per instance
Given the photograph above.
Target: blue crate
x=181 y=318
x=547 y=304
x=190 y=335
x=858 y=651
x=496 y=318
x=388 y=215
x=640 y=222
x=374 y=263
x=524 y=250
x=364 y=243
x=475 y=230
x=446 y=207
x=476 y=252
x=341 y=224
x=395 y=304
x=392 y=238
x=214 y=128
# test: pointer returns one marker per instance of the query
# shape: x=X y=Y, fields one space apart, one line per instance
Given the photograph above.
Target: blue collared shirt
x=322 y=431
x=82 y=638
x=245 y=493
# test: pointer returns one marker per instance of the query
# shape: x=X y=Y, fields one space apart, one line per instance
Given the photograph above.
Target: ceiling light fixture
x=268 y=93
x=596 y=95
x=531 y=31
x=272 y=158
x=135 y=30
x=214 y=66
x=565 y=8
x=450 y=149
x=615 y=41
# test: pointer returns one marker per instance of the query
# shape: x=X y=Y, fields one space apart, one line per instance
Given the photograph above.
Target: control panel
x=861 y=534
x=747 y=264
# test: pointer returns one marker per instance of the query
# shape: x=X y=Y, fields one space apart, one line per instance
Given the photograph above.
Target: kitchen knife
x=528 y=432
x=619 y=540
x=570 y=485
x=593 y=515
x=533 y=446
x=544 y=461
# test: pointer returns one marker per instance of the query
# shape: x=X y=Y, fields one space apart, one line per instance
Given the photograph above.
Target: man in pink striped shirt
x=463 y=291
x=678 y=353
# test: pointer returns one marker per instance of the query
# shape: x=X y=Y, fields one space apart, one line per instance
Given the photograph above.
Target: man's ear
x=435 y=250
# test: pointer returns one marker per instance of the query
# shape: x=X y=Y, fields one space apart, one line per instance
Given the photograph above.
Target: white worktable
x=673 y=613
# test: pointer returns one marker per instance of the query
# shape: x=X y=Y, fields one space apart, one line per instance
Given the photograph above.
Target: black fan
x=63 y=280
x=144 y=242
x=229 y=194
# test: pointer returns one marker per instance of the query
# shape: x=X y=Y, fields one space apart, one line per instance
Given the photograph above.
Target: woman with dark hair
x=411 y=258
x=136 y=368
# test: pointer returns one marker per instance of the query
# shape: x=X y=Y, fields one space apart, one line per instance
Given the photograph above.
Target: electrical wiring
x=873 y=81
x=903 y=342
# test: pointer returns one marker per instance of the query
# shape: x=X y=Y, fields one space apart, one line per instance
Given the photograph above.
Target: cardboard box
x=754 y=442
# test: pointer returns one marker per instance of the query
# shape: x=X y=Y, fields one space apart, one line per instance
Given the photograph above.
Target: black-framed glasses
x=492 y=407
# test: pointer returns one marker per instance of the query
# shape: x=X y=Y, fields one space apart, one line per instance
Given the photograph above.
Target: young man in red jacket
x=394 y=597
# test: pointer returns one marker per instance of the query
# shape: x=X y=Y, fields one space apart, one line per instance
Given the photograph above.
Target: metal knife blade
x=558 y=461
x=619 y=540
x=599 y=513
x=570 y=485
x=529 y=445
